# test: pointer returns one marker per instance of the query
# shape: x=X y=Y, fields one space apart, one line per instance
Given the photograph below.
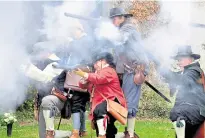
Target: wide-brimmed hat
x=103 y=55
x=119 y=12
x=184 y=51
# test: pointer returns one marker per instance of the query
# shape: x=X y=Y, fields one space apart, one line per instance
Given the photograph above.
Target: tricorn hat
x=119 y=12
x=184 y=51
x=103 y=55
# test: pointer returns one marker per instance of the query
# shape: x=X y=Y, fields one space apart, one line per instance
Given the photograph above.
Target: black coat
x=78 y=101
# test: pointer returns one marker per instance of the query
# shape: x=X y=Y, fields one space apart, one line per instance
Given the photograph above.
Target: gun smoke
x=21 y=29
x=175 y=29
x=22 y=26
x=18 y=32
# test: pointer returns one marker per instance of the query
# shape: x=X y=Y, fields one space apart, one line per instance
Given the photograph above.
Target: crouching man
x=54 y=100
x=188 y=112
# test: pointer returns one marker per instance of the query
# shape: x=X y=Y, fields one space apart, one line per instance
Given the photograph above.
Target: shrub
x=25 y=111
x=152 y=105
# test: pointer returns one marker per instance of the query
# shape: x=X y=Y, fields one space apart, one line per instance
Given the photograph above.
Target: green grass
x=144 y=128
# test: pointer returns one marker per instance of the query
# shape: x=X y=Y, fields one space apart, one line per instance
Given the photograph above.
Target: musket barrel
x=198 y=25
x=80 y=17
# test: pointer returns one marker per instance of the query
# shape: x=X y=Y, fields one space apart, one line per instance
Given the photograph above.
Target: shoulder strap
x=92 y=93
x=103 y=96
x=203 y=80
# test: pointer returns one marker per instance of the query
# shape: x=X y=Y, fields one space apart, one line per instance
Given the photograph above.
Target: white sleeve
x=44 y=76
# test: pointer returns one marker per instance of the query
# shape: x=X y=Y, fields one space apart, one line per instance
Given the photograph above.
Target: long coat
x=131 y=52
x=190 y=103
x=106 y=82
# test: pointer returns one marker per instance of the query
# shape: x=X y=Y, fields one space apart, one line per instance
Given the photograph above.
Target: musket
x=81 y=17
x=157 y=91
x=150 y=85
x=197 y=25
x=84 y=67
x=65 y=67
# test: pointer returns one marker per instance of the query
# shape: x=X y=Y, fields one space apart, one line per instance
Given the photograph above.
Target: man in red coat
x=103 y=82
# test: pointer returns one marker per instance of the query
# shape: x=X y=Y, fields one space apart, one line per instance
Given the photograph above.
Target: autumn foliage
x=143 y=10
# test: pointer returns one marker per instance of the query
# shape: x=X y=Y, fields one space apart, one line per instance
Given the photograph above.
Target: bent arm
x=44 y=76
x=102 y=78
x=175 y=78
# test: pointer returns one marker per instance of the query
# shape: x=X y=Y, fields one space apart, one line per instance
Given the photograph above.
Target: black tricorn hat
x=103 y=55
x=184 y=51
x=119 y=12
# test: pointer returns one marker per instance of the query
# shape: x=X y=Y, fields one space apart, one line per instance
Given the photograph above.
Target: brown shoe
x=100 y=136
x=50 y=133
x=75 y=134
x=83 y=134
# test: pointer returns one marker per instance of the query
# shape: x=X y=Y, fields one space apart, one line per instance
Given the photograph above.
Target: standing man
x=188 y=112
x=80 y=52
x=129 y=52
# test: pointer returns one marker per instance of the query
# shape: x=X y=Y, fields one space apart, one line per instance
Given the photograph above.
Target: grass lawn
x=144 y=128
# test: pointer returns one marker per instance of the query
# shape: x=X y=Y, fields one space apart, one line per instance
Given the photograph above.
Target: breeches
x=190 y=114
x=187 y=112
x=50 y=106
x=99 y=113
x=132 y=93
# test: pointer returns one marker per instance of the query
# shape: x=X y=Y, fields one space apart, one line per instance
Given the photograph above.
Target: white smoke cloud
x=22 y=23
x=108 y=31
x=16 y=36
x=164 y=40
x=56 y=25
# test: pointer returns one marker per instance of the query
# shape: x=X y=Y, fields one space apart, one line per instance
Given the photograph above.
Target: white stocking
x=101 y=127
x=48 y=120
x=180 y=131
x=131 y=126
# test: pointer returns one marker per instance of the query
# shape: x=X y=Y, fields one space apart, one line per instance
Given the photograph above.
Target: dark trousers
x=190 y=130
x=101 y=110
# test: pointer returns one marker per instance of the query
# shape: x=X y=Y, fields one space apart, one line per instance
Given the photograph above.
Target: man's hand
x=83 y=81
x=55 y=65
x=81 y=73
